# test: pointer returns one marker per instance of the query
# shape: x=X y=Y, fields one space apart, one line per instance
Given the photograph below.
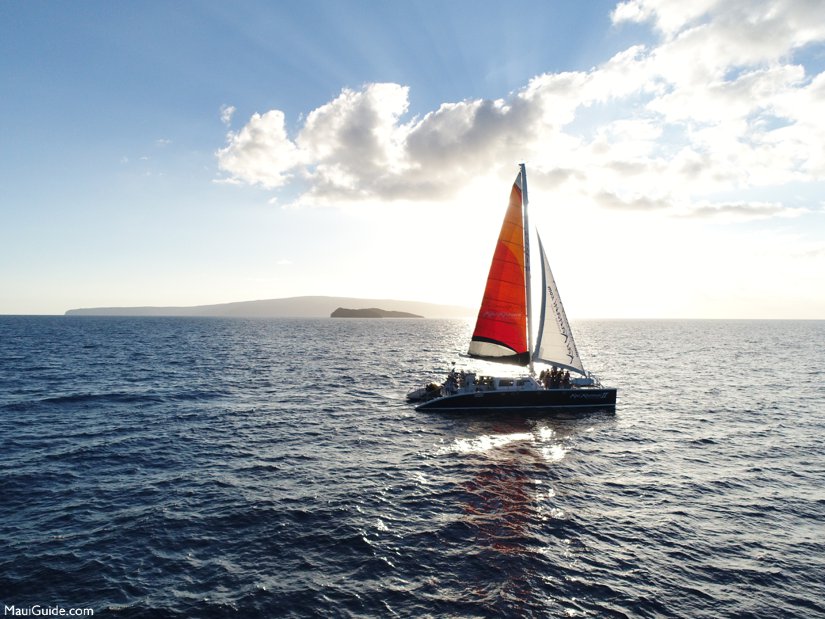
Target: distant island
x=370 y=312
x=290 y=307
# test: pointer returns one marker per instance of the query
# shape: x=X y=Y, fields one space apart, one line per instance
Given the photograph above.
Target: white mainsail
x=555 y=342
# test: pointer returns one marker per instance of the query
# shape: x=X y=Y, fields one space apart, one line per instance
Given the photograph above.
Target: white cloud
x=668 y=15
x=743 y=211
x=738 y=32
x=718 y=105
x=227 y=112
x=260 y=153
x=355 y=142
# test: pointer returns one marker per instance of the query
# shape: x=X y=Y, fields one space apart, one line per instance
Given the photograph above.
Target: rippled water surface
x=223 y=468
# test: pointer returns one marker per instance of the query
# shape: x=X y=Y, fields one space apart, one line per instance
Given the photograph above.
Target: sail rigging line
x=528 y=284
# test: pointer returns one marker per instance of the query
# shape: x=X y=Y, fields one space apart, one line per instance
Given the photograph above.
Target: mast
x=527 y=287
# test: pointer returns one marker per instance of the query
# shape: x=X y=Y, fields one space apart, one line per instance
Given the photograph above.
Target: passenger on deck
x=565 y=381
x=451 y=384
x=555 y=378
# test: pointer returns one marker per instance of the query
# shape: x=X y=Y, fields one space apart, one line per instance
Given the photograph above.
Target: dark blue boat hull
x=542 y=400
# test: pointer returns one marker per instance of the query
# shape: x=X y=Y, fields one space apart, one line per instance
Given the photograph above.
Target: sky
x=199 y=152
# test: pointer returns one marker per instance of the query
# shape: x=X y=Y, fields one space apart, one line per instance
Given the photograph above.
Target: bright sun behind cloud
x=628 y=160
x=674 y=153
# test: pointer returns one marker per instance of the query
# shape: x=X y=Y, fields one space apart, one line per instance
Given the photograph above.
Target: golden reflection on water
x=508 y=501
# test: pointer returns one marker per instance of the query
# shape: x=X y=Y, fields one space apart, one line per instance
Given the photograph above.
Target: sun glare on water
x=540 y=443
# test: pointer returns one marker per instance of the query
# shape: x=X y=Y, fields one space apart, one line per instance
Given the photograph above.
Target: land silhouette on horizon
x=290 y=307
x=371 y=312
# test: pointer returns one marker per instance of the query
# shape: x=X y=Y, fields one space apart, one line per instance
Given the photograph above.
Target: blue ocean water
x=155 y=467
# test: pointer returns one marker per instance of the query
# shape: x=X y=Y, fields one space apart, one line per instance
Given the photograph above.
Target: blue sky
x=156 y=153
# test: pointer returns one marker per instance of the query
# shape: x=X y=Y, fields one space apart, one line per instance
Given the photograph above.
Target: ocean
x=180 y=467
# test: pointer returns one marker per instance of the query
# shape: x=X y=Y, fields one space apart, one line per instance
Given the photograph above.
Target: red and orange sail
x=501 y=328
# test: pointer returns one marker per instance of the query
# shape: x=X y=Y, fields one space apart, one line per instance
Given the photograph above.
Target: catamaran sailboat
x=504 y=334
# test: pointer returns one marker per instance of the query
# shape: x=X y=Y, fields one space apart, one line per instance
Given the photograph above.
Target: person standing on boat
x=451 y=384
x=550 y=381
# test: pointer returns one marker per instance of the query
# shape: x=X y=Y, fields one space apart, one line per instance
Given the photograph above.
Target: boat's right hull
x=540 y=400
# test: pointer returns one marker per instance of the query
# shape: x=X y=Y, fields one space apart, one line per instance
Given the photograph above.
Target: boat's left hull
x=541 y=400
